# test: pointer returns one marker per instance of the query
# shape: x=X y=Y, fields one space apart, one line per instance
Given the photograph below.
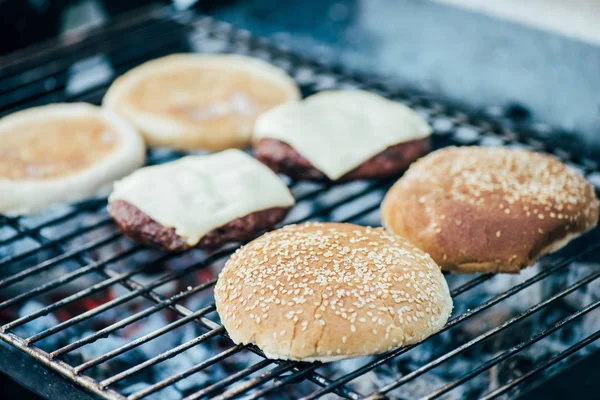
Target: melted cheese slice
x=197 y=194
x=339 y=130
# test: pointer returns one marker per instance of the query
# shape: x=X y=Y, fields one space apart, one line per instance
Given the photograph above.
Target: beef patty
x=284 y=159
x=138 y=226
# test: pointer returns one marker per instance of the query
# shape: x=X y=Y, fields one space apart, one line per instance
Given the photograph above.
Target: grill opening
x=123 y=321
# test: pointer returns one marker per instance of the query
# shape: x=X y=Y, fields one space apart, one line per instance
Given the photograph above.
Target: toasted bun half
x=328 y=291
x=199 y=101
x=480 y=209
x=63 y=152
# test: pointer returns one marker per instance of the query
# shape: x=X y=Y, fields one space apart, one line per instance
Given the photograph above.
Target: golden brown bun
x=328 y=291
x=61 y=153
x=480 y=209
x=199 y=101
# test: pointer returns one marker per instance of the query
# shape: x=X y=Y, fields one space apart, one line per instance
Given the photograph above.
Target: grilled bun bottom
x=61 y=153
x=284 y=159
x=139 y=227
x=329 y=291
x=199 y=101
x=489 y=209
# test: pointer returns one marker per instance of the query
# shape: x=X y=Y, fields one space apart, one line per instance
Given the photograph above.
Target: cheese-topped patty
x=197 y=194
x=62 y=152
x=339 y=130
x=199 y=101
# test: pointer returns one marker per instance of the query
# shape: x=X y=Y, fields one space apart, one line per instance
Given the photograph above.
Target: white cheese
x=197 y=194
x=339 y=130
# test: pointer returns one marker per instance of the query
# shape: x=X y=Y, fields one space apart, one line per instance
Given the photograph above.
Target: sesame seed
x=535 y=181
x=285 y=273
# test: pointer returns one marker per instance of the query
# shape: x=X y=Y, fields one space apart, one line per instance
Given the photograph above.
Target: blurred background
x=529 y=59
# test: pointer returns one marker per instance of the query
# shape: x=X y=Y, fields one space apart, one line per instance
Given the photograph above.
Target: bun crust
x=199 y=101
x=328 y=291
x=480 y=209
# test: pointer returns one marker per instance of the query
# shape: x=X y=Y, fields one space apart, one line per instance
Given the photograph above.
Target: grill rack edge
x=23 y=71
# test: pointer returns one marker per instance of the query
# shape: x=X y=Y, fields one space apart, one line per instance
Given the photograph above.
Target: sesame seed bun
x=480 y=209
x=329 y=291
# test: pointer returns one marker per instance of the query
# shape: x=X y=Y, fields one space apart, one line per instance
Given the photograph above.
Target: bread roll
x=480 y=209
x=199 y=101
x=328 y=291
x=63 y=152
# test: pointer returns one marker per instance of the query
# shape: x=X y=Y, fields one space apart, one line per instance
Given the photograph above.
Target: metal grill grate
x=73 y=255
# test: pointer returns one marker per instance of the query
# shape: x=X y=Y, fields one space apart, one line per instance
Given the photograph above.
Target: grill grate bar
x=101 y=241
x=311 y=367
x=23 y=232
x=453 y=322
x=163 y=280
x=317 y=191
x=92 y=96
x=501 y=357
x=206 y=323
x=106 y=306
x=126 y=321
x=63 y=279
x=149 y=27
x=324 y=382
x=208 y=391
x=32 y=82
x=184 y=374
x=471 y=284
x=432 y=364
x=62 y=367
x=543 y=366
x=55 y=260
x=96 y=311
x=18 y=277
x=27 y=97
x=133 y=285
x=257 y=381
x=35 y=55
x=163 y=46
x=70 y=299
x=277 y=384
x=58 y=241
x=143 y=339
x=161 y=357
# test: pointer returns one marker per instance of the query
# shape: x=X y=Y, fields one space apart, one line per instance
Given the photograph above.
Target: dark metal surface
x=47 y=74
x=583 y=374
x=46 y=383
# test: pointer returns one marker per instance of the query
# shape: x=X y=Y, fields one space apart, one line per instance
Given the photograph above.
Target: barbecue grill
x=86 y=313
